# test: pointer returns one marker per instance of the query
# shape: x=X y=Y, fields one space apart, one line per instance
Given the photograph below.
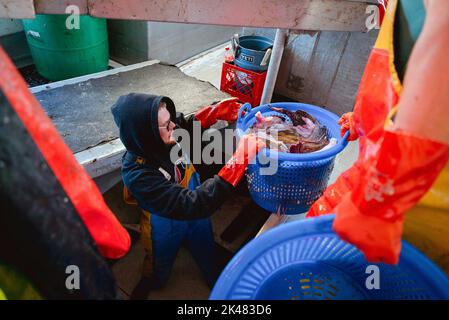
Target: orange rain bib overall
x=427 y=223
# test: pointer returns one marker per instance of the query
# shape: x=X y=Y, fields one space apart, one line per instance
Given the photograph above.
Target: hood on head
x=136 y=116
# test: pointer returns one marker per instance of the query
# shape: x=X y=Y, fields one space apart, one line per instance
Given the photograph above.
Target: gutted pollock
x=266 y=122
x=296 y=117
x=303 y=135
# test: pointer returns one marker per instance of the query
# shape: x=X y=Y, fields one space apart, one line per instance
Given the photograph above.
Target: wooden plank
x=15 y=9
x=367 y=1
x=59 y=6
x=338 y=15
x=291 y=14
x=102 y=159
x=342 y=95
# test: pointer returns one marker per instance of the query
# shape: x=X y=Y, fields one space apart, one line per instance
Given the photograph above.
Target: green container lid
x=61 y=53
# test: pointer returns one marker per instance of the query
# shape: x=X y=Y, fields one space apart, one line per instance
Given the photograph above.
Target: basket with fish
x=302 y=142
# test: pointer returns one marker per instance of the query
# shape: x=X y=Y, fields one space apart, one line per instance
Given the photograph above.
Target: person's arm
x=160 y=196
x=226 y=109
x=154 y=193
x=206 y=116
x=424 y=104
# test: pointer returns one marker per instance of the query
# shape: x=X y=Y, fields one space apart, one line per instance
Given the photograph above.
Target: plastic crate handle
x=247 y=108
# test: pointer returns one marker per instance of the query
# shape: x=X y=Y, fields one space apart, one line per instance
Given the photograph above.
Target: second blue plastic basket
x=298 y=179
x=307 y=260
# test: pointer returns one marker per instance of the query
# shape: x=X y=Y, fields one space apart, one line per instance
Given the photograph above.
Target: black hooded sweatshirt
x=136 y=116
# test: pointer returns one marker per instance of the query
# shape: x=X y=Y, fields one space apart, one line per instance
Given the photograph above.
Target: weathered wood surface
x=59 y=6
x=291 y=14
x=341 y=15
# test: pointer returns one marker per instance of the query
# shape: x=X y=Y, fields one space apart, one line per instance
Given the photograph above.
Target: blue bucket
x=300 y=179
x=250 y=51
x=305 y=259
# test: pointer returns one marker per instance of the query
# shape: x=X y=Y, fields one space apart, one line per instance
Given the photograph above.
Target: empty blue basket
x=300 y=179
x=307 y=260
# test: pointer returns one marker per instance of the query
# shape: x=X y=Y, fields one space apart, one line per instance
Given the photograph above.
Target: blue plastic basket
x=300 y=179
x=307 y=260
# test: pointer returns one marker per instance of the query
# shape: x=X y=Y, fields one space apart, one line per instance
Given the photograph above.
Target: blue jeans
x=167 y=235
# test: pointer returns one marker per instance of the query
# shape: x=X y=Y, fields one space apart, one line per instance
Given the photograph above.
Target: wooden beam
x=339 y=15
x=15 y=9
x=336 y=15
x=59 y=6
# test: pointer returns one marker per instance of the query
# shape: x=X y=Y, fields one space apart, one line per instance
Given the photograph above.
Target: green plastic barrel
x=61 y=53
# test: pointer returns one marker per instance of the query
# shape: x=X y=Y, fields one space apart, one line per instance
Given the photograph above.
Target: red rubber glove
x=247 y=149
x=224 y=110
x=345 y=182
x=347 y=123
x=389 y=183
x=335 y=192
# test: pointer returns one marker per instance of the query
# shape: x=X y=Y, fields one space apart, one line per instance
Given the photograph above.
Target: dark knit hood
x=136 y=116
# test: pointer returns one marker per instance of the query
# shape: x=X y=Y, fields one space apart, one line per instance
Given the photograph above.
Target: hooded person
x=176 y=205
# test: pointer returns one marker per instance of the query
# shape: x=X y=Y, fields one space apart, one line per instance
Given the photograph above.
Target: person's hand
x=228 y=109
x=334 y=193
x=224 y=110
x=247 y=149
x=347 y=123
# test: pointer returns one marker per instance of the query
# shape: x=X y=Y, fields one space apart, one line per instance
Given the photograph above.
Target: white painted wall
x=136 y=41
x=175 y=42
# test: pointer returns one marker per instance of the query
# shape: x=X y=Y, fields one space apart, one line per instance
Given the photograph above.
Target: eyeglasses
x=167 y=127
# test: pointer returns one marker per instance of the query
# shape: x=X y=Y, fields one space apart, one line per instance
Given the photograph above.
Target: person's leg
x=200 y=241
x=145 y=284
x=145 y=240
x=167 y=236
x=161 y=239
